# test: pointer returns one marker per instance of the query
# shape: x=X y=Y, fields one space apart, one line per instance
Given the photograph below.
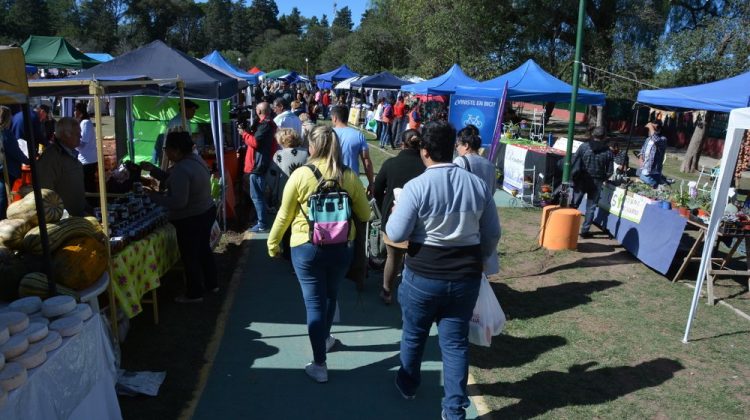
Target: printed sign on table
x=480 y=112
x=513 y=166
x=628 y=207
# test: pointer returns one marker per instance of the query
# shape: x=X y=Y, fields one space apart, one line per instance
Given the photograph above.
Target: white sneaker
x=318 y=373
x=330 y=342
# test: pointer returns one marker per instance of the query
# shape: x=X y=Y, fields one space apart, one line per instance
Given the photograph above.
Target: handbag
x=488 y=318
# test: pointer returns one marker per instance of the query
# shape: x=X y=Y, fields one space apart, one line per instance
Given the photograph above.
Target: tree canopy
x=663 y=43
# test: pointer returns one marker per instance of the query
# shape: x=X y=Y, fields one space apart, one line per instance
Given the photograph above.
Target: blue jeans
x=385 y=136
x=592 y=202
x=652 y=180
x=450 y=304
x=257 y=188
x=319 y=270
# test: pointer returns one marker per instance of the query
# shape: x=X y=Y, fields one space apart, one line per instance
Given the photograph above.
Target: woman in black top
x=394 y=173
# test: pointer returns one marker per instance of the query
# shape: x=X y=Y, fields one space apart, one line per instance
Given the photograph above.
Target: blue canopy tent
x=442 y=85
x=218 y=61
x=529 y=82
x=327 y=80
x=157 y=60
x=103 y=57
x=384 y=80
x=722 y=96
x=292 y=77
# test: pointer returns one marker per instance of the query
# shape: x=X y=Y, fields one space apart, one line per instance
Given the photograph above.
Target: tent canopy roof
x=102 y=57
x=277 y=73
x=112 y=86
x=218 y=61
x=347 y=84
x=529 y=82
x=384 y=80
x=158 y=61
x=723 y=95
x=442 y=85
x=326 y=80
x=55 y=52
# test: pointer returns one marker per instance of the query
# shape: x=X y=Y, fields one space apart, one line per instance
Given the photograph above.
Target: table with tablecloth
x=138 y=267
x=521 y=159
x=76 y=382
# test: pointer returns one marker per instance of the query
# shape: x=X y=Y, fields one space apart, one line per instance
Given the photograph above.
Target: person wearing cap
x=596 y=167
x=652 y=155
x=175 y=124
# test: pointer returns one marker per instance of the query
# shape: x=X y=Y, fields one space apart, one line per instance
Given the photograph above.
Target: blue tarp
x=158 y=61
x=442 y=85
x=103 y=57
x=723 y=95
x=384 y=80
x=217 y=60
x=529 y=82
x=327 y=80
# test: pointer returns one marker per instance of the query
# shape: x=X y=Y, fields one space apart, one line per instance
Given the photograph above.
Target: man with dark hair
x=450 y=220
x=353 y=148
x=285 y=118
x=596 y=164
x=259 y=140
x=652 y=155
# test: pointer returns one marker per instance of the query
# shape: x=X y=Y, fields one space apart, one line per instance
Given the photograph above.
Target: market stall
x=329 y=79
x=444 y=84
x=525 y=161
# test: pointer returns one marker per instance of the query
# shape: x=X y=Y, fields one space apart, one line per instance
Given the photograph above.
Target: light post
x=307 y=67
x=239 y=62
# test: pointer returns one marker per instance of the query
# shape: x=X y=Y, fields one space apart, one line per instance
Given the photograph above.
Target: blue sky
x=310 y=8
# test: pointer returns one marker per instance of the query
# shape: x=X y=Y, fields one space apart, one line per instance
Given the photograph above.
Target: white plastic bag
x=215 y=235
x=488 y=319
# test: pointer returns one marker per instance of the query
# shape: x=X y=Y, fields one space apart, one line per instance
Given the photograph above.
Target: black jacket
x=395 y=173
x=596 y=159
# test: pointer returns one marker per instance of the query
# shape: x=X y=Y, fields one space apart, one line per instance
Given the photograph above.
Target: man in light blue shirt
x=353 y=144
x=285 y=118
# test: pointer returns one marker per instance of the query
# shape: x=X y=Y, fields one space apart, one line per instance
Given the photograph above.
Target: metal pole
x=573 y=96
x=37 y=191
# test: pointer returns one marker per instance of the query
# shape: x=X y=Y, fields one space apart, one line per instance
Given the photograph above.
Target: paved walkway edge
x=213 y=346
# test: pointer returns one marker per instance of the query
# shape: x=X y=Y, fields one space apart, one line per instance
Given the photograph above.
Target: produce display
x=131 y=218
x=79 y=262
x=25 y=209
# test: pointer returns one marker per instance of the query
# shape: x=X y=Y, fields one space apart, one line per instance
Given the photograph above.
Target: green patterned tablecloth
x=137 y=268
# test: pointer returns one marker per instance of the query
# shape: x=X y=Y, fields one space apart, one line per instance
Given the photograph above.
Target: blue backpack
x=330 y=212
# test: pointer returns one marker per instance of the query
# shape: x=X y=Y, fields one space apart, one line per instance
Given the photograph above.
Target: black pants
x=89 y=177
x=193 y=239
x=379 y=129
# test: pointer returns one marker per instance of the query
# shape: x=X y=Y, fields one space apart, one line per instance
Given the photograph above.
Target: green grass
x=595 y=333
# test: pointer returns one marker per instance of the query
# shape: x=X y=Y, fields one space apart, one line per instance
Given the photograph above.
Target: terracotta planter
x=702 y=213
x=684 y=212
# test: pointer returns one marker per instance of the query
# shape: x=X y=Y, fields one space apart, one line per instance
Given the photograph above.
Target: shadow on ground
x=580 y=385
x=547 y=300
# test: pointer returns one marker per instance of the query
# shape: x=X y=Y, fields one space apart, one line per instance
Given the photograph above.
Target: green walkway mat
x=258 y=371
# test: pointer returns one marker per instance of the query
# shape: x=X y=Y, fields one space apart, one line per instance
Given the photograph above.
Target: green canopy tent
x=54 y=52
x=276 y=74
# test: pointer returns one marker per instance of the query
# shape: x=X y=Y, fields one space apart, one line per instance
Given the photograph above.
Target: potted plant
x=682 y=199
x=545 y=195
x=499 y=176
x=703 y=202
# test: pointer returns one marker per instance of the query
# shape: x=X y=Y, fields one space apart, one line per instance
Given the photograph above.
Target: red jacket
x=261 y=146
x=398 y=109
x=326 y=99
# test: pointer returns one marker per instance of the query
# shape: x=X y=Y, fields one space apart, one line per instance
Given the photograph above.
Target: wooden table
x=717 y=266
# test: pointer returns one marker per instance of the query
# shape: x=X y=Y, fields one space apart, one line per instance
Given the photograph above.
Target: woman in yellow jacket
x=319 y=269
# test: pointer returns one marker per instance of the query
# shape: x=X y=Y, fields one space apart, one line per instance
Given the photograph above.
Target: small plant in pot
x=545 y=195
x=682 y=199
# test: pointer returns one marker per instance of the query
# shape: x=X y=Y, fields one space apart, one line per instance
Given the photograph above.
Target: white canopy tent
x=347 y=84
x=739 y=121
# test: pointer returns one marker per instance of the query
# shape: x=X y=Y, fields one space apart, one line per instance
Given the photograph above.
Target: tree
x=22 y=22
x=292 y=23
x=98 y=25
x=148 y=20
x=64 y=18
x=240 y=36
x=188 y=34
x=218 y=24
x=342 y=24
x=261 y=16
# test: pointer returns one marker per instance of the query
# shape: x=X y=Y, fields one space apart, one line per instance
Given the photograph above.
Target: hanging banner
x=499 y=124
x=354 y=114
x=14 y=88
x=480 y=112
x=513 y=168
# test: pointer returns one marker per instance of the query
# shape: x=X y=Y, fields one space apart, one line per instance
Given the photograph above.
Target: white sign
x=513 y=166
x=628 y=207
x=562 y=144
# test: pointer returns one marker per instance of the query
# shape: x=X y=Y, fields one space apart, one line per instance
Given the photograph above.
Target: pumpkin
x=25 y=209
x=60 y=232
x=35 y=284
x=79 y=262
x=12 y=232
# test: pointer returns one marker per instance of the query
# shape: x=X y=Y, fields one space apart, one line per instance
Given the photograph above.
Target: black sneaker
x=586 y=235
x=406 y=396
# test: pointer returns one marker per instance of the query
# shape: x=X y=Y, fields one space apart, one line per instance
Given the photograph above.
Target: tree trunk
x=693 y=152
x=601 y=113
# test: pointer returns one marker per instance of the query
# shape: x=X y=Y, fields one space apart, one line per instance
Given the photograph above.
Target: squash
x=25 y=209
x=35 y=284
x=12 y=232
x=79 y=262
x=60 y=232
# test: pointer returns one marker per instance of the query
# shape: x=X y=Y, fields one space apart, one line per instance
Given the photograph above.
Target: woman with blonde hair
x=319 y=268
